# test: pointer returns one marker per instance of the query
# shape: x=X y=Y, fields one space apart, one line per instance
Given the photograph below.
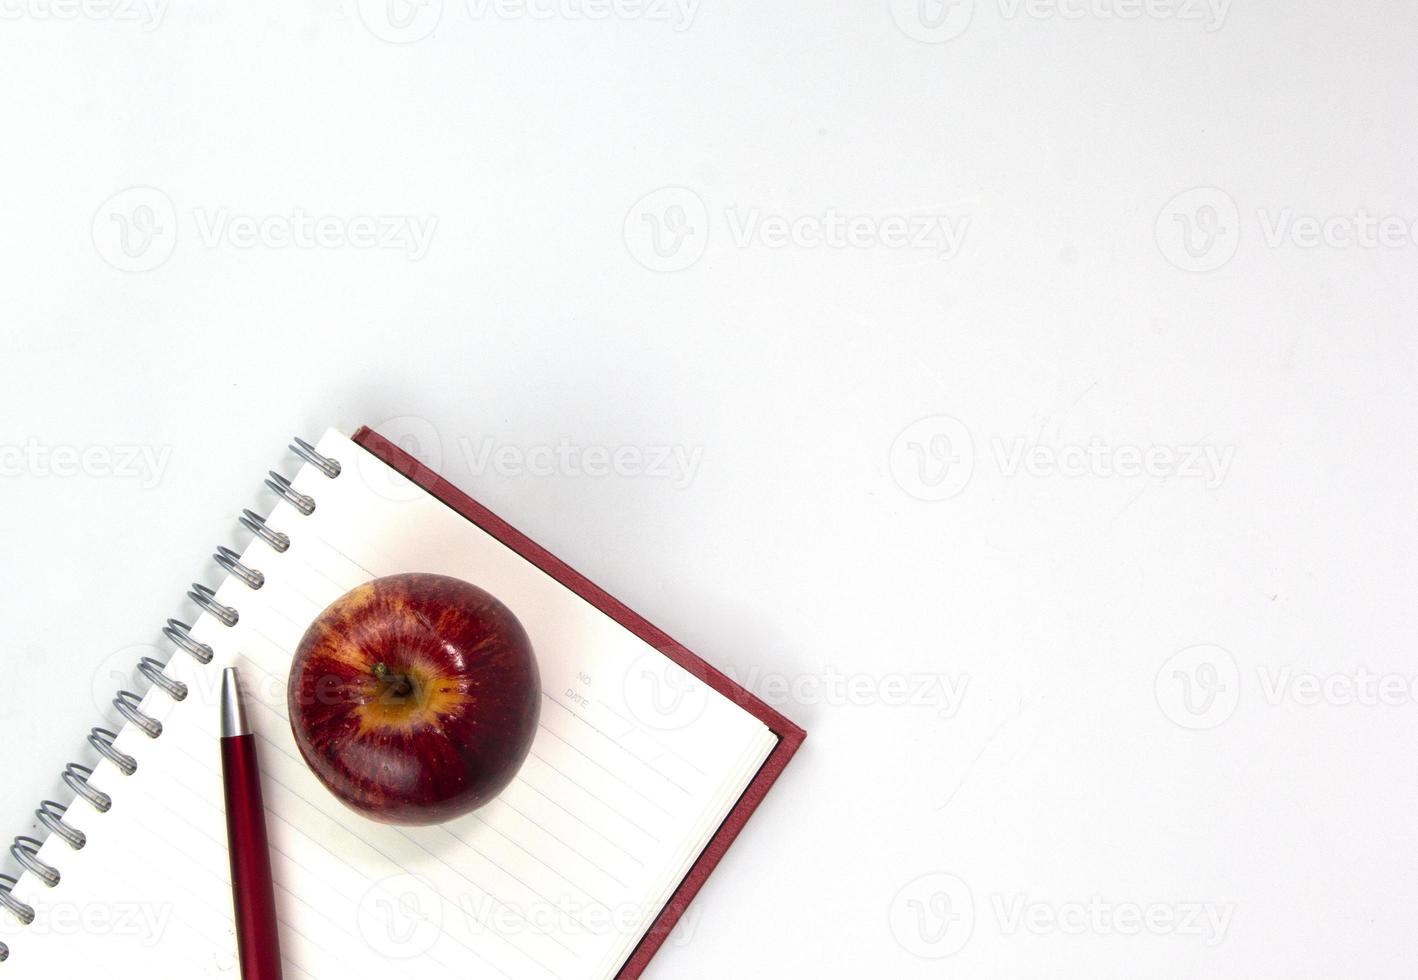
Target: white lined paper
x=558 y=878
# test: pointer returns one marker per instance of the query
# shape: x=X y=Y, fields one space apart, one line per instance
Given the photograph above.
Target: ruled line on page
x=280 y=613
x=275 y=710
x=281 y=751
x=496 y=899
x=301 y=619
x=541 y=726
x=556 y=871
x=641 y=730
x=342 y=554
x=590 y=794
x=371 y=881
x=343 y=587
x=206 y=866
x=634 y=789
x=221 y=844
x=580 y=819
x=298 y=968
x=520 y=781
x=514 y=877
x=393 y=863
x=181 y=913
x=634 y=755
x=574 y=851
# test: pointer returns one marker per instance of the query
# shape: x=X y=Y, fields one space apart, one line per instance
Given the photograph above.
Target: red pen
x=252 y=889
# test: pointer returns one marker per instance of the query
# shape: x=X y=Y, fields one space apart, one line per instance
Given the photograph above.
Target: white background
x=1139 y=270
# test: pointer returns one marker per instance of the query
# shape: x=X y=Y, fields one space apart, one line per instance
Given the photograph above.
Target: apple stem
x=402 y=686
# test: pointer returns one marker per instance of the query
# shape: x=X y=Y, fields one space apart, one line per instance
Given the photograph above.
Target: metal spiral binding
x=330 y=467
x=51 y=814
x=76 y=777
x=256 y=524
x=25 y=850
x=231 y=561
x=207 y=599
x=17 y=908
x=153 y=671
x=102 y=740
x=181 y=634
x=127 y=704
x=301 y=502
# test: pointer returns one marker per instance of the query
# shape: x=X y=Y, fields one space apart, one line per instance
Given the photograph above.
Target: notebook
x=645 y=767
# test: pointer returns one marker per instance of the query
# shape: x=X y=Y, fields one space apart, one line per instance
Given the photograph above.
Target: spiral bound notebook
x=645 y=768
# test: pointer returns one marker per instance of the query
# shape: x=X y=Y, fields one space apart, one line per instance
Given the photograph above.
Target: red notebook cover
x=790 y=736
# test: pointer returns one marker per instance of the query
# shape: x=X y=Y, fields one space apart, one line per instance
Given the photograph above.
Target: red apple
x=415 y=698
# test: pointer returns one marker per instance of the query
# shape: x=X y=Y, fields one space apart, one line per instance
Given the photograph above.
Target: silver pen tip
x=233 y=707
